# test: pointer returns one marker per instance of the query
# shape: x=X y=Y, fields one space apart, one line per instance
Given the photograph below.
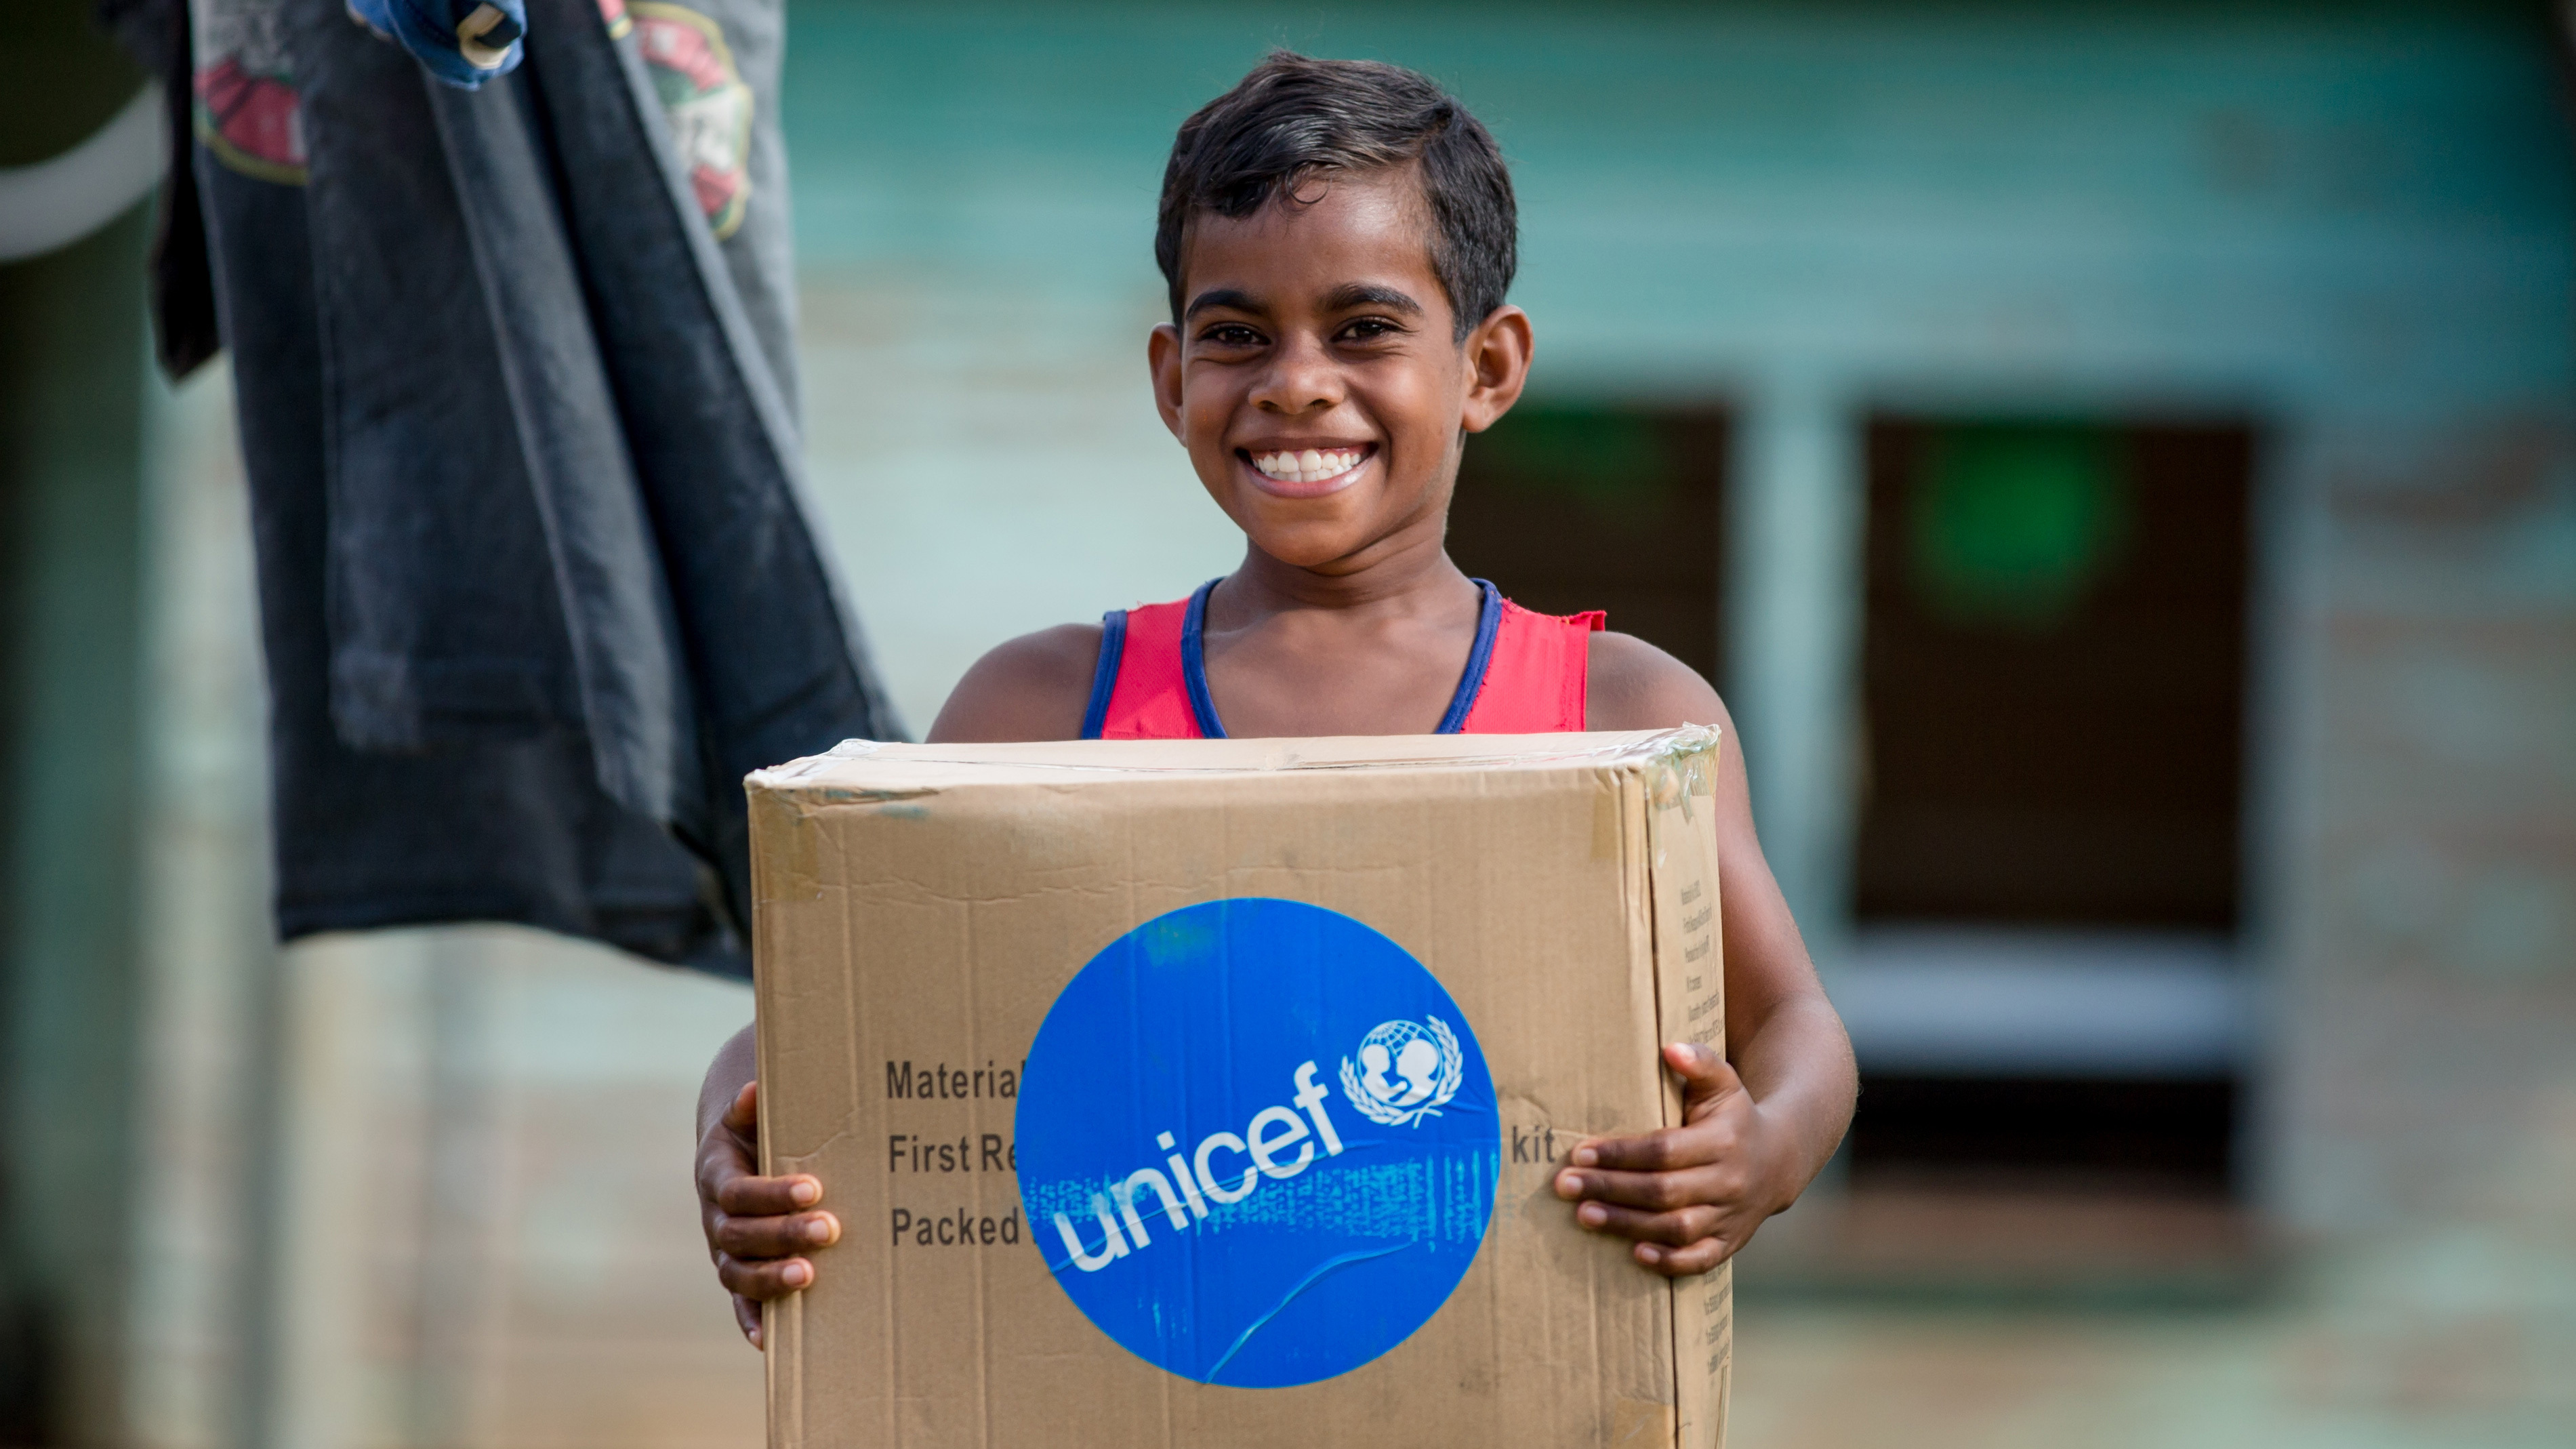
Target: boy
x=1338 y=237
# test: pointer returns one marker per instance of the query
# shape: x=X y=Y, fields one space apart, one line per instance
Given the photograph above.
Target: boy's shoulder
x=1035 y=687
x=1630 y=684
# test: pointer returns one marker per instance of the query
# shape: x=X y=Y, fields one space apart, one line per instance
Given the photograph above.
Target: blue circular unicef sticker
x=1257 y=1143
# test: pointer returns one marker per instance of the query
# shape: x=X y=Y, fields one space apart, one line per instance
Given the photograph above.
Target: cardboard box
x=1209 y=1093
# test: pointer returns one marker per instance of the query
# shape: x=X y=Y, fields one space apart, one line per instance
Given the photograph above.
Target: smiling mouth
x=1304 y=468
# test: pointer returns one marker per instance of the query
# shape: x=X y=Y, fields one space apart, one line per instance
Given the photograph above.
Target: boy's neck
x=1398 y=574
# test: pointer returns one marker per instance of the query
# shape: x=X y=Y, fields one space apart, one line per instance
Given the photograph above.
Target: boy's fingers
x=775 y=1237
x=762 y=1197
x=1653 y=1191
x=1699 y=1257
x=1678 y=1229
x=746 y=1316
x=722 y=1158
x=763 y=1281
x=1704 y=1073
x=1659 y=1151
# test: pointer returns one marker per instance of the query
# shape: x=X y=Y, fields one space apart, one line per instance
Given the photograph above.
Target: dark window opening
x=1620 y=509
x=2054 y=694
x=2054 y=673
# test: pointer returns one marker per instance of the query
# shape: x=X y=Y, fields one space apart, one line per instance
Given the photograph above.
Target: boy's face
x=1315 y=377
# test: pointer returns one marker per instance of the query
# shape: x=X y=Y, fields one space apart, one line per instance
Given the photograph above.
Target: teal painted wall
x=2339 y=221
x=2330 y=206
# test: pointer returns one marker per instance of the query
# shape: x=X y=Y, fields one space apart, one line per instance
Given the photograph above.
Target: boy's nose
x=1300 y=379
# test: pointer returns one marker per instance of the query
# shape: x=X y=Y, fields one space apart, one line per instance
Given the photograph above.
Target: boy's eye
x=1231 y=334
x=1369 y=329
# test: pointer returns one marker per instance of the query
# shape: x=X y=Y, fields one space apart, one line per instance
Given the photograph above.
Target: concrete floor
x=1810 y=1375
x=2450 y=1331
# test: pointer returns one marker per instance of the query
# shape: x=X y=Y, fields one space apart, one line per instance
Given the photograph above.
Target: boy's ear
x=1163 y=360
x=1498 y=364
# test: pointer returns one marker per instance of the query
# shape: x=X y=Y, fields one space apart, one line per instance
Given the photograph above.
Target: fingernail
x=805 y=1193
x=818 y=1229
x=1592 y=1215
x=754 y=1335
x=796 y=1275
x=1585 y=1156
x=1649 y=1253
x=1568 y=1185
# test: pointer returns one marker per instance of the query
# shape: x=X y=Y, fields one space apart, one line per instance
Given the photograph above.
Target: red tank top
x=1525 y=673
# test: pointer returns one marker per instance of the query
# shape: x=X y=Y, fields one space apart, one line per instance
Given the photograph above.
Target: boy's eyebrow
x=1341 y=299
x=1226 y=297
x=1369 y=294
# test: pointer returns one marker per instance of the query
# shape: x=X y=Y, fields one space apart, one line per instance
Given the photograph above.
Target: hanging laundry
x=516 y=382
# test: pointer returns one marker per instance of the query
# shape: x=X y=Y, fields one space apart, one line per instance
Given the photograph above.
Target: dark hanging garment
x=515 y=377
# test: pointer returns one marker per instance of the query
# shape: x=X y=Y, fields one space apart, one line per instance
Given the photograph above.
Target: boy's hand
x=1689 y=1195
x=756 y=1225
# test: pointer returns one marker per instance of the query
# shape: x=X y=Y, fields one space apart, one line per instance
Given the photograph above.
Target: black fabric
x=156 y=34
x=538 y=587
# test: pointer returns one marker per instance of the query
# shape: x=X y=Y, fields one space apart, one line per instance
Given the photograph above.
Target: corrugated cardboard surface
x=924 y=905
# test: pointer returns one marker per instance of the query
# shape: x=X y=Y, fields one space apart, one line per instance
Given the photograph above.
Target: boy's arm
x=757 y=1228
x=1760 y=1123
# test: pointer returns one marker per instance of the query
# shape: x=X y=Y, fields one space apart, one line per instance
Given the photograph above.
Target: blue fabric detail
x=429 y=30
x=1489 y=621
x=1194 y=662
x=1104 y=673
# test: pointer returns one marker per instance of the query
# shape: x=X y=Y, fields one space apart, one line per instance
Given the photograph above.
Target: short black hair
x=1294 y=116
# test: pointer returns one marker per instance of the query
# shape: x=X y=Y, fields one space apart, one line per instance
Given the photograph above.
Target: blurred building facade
x=2119 y=463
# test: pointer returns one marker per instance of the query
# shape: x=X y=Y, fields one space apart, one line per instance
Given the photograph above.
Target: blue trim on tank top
x=1194 y=661
x=1104 y=671
x=1471 y=681
x=1489 y=622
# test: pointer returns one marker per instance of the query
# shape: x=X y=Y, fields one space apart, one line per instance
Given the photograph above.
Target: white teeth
x=1312 y=465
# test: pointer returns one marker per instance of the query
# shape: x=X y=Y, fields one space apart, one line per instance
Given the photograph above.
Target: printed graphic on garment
x=1257 y=1143
x=246 y=109
x=707 y=102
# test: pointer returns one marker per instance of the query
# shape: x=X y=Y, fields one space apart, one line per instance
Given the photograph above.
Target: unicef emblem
x=1200 y=1190
x=1407 y=1071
